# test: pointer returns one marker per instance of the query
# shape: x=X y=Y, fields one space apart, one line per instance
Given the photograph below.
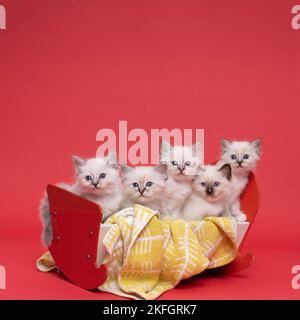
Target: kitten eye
x=88 y=178
x=149 y=184
x=203 y=184
x=187 y=163
x=246 y=156
x=174 y=163
x=102 y=175
x=233 y=156
x=135 y=185
x=216 y=184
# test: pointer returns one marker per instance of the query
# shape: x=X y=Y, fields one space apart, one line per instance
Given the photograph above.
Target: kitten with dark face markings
x=183 y=163
x=98 y=180
x=210 y=195
x=143 y=185
x=242 y=157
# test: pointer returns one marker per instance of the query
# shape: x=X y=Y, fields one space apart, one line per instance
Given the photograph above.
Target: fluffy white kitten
x=98 y=180
x=210 y=193
x=143 y=185
x=242 y=157
x=183 y=163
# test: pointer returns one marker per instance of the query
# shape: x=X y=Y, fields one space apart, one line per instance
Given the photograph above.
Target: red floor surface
x=268 y=278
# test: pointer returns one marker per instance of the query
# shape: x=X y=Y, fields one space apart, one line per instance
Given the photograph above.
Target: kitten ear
x=200 y=169
x=226 y=171
x=224 y=144
x=78 y=162
x=111 y=160
x=125 y=168
x=256 y=145
x=197 y=150
x=165 y=149
x=162 y=168
x=165 y=146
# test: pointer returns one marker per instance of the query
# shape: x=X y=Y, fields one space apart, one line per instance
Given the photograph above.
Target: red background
x=69 y=68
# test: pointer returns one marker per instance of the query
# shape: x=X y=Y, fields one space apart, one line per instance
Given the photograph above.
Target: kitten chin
x=98 y=180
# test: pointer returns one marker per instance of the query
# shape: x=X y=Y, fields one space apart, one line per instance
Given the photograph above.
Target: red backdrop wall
x=69 y=68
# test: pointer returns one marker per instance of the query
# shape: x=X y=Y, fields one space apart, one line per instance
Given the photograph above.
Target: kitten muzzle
x=209 y=190
x=239 y=161
x=181 y=169
x=141 y=191
x=95 y=184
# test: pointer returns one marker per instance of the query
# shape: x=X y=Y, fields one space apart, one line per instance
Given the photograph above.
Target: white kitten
x=143 y=185
x=183 y=163
x=211 y=193
x=98 y=180
x=242 y=157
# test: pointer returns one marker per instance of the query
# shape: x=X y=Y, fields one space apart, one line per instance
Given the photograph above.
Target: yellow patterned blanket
x=148 y=256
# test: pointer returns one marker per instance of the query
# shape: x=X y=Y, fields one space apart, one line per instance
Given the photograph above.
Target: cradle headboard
x=250 y=199
x=76 y=224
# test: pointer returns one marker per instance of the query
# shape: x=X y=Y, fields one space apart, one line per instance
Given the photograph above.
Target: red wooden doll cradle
x=76 y=227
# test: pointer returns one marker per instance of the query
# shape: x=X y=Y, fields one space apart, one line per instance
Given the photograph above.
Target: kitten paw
x=241 y=217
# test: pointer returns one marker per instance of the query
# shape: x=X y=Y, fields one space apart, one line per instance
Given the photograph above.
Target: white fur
x=180 y=176
x=240 y=173
x=200 y=205
x=135 y=189
x=106 y=192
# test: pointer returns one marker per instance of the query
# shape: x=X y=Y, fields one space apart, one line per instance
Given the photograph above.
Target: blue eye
x=246 y=156
x=149 y=184
x=187 y=163
x=216 y=184
x=233 y=156
x=88 y=178
x=203 y=184
x=135 y=185
x=102 y=175
x=174 y=163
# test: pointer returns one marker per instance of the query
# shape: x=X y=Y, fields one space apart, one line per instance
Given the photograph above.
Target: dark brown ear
x=226 y=171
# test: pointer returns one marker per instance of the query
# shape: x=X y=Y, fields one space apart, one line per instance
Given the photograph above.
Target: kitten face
x=241 y=155
x=183 y=161
x=213 y=183
x=96 y=174
x=144 y=184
